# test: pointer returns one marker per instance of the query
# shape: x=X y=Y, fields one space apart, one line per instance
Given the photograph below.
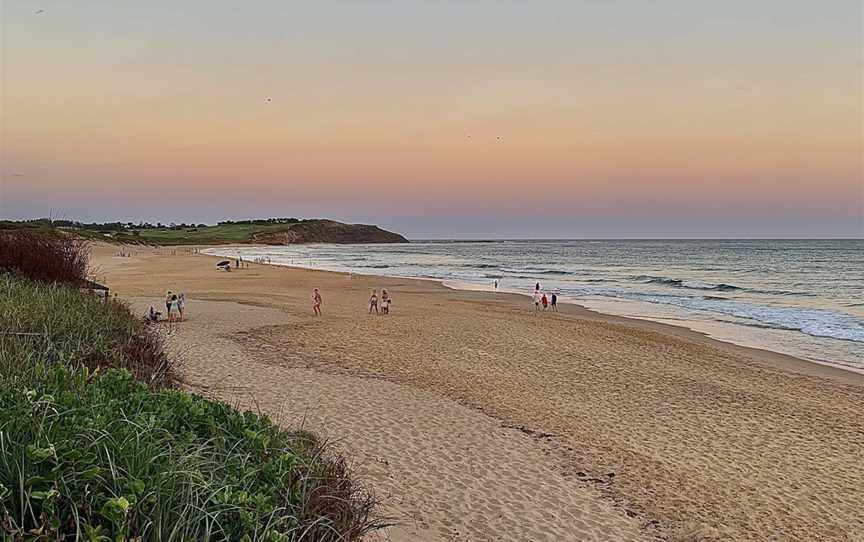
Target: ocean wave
x=528 y=272
x=721 y=287
x=815 y=322
x=682 y=283
x=551 y=278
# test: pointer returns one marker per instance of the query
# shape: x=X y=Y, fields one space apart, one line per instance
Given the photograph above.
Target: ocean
x=799 y=297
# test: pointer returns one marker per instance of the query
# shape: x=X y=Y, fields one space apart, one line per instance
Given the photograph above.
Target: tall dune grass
x=73 y=328
x=106 y=458
x=44 y=256
x=96 y=445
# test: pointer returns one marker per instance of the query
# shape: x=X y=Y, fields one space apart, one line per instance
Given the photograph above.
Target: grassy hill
x=272 y=232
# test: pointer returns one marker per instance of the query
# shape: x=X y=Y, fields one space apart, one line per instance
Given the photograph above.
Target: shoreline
x=764 y=355
x=769 y=357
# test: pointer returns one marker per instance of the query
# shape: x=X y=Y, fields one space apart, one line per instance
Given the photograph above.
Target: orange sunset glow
x=397 y=115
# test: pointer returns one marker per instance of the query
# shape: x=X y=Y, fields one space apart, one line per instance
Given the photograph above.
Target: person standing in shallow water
x=316 y=302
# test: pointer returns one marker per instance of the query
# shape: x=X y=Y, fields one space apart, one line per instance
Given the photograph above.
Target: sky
x=447 y=119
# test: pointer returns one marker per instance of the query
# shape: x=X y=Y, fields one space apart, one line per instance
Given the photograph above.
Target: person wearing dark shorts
x=554 y=302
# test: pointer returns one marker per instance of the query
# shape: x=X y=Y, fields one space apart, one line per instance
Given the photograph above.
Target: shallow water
x=800 y=297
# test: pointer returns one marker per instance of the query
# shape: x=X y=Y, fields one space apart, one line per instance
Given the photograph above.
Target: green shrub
x=93 y=446
x=104 y=455
x=44 y=255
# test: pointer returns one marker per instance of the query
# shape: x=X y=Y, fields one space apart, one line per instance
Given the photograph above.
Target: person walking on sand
x=385 y=302
x=181 y=304
x=373 y=302
x=536 y=300
x=168 y=303
x=316 y=302
x=554 y=302
x=544 y=301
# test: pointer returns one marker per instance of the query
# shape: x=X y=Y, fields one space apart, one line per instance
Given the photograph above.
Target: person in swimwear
x=316 y=302
x=373 y=302
x=385 y=302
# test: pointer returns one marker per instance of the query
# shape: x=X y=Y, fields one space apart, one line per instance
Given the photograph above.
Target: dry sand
x=476 y=419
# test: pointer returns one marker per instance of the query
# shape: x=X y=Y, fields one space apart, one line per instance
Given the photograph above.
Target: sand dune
x=478 y=420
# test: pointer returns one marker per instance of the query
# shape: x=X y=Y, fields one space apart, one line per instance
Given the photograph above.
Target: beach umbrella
x=223 y=263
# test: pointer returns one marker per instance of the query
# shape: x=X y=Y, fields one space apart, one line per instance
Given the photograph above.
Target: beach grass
x=64 y=326
x=96 y=443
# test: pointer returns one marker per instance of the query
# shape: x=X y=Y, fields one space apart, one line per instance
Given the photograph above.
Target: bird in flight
x=38 y=11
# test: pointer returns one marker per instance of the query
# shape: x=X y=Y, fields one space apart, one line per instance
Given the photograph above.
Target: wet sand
x=476 y=419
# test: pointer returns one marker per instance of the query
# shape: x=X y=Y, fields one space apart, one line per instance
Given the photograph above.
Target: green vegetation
x=96 y=445
x=208 y=235
x=150 y=234
x=53 y=325
x=267 y=231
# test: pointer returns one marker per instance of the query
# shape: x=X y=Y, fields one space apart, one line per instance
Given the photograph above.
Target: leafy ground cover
x=97 y=444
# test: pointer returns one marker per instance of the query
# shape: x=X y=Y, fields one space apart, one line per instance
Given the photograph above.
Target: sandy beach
x=475 y=419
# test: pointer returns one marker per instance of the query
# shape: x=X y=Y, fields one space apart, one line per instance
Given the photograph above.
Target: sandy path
x=705 y=442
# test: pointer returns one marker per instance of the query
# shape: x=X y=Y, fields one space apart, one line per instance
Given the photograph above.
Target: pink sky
x=723 y=121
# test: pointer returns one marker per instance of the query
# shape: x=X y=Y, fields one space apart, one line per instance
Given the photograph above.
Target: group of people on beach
x=544 y=301
x=385 y=302
x=375 y=302
x=175 y=308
